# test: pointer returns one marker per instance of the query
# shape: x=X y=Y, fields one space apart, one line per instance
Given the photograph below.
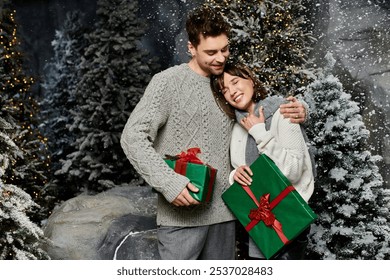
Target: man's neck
x=195 y=67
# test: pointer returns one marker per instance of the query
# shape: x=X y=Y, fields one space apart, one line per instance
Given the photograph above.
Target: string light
x=19 y=104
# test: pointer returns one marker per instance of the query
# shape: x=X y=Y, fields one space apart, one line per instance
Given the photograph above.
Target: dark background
x=38 y=20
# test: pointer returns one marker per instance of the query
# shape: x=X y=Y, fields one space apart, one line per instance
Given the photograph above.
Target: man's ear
x=191 y=49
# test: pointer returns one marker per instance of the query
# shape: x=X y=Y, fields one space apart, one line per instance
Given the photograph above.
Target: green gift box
x=201 y=175
x=271 y=210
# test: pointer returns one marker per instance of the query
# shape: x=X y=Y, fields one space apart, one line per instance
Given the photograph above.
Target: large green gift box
x=201 y=175
x=271 y=210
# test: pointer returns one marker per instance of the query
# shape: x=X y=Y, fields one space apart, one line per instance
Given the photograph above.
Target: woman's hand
x=243 y=175
x=252 y=119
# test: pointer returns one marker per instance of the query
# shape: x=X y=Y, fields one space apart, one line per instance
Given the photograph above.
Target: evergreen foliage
x=61 y=79
x=20 y=238
x=114 y=72
x=18 y=108
x=350 y=200
x=272 y=37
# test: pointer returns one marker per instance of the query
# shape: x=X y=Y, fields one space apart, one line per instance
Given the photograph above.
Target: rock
x=130 y=237
x=109 y=225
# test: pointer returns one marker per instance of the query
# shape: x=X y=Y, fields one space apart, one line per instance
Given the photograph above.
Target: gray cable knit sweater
x=177 y=112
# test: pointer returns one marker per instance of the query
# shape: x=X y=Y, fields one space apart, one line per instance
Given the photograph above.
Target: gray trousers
x=212 y=242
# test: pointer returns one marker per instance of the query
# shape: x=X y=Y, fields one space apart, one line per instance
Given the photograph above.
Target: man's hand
x=294 y=110
x=184 y=198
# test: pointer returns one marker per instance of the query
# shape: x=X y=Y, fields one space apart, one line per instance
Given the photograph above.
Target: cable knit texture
x=177 y=112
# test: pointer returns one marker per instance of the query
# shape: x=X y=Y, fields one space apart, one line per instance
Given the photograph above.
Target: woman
x=260 y=128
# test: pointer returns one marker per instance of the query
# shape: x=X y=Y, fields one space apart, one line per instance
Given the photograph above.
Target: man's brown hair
x=207 y=22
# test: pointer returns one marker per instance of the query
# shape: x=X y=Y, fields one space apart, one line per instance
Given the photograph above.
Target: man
x=177 y=112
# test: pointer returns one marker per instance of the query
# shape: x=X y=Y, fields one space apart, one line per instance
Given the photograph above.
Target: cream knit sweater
x=284 y=144
x=177 y=112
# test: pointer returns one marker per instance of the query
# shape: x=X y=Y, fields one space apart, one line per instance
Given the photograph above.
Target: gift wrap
x=201 y=175
x=271 y=210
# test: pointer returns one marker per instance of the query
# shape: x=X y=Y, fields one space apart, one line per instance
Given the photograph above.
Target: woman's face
x=238 y=91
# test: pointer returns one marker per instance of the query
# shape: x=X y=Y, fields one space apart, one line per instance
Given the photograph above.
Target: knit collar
x=193 y=74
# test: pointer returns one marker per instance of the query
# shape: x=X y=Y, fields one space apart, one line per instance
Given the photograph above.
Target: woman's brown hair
x=241 y=71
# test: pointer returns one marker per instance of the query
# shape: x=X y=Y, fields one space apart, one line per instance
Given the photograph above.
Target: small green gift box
x=271 y=210
x=201 y=175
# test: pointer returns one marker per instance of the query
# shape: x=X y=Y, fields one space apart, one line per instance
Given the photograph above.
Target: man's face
x=210 y=56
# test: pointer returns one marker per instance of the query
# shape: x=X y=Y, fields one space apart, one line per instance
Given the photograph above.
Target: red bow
x=190 y=156
x=263 y=211
x=185 y=157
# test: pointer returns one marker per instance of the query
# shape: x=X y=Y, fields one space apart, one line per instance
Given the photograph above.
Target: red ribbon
x=263 y=211
x=184 y=157
x=211 y=183
x=190 y=156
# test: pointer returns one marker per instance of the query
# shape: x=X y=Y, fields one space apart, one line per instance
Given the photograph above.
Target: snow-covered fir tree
x=20 y=238
x=19 y=109
x=350 y=199
x=272 y=37
x=114 y=73
x=59 y=87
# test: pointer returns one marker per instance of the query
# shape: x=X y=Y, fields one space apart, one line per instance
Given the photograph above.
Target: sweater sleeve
x=284 y=144
x=139 y=134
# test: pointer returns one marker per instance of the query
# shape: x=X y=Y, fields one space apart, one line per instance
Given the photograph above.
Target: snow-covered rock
x=116 y=224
